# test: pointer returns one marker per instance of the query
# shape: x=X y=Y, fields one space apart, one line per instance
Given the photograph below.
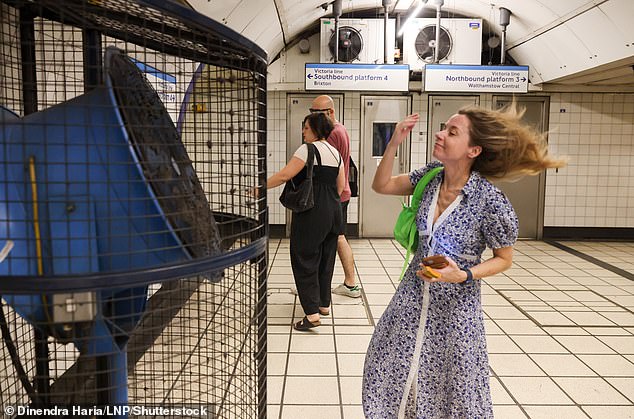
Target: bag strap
x=416 y=198
x=317 y=154
x=328 y=145
x=310 y=160
x=422 y=184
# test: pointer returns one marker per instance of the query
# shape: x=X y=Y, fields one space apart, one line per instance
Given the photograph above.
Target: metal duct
x=505 y=19
x=386 y=3
x=337 y=9
x=438 y=4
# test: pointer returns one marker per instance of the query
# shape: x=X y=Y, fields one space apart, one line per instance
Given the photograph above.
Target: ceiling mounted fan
x=426 y=43
x=350 y=44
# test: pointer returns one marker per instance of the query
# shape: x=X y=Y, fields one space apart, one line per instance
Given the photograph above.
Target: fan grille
x=350 y=44
x=426 y=40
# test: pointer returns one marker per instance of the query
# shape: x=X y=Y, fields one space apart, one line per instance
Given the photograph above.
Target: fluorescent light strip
x=409 y=19
x=402 y=5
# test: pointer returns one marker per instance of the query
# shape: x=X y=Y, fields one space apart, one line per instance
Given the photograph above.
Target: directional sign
x=366 y=77
x=476 y=78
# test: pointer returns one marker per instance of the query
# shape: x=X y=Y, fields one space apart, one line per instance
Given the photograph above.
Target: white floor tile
x=354 y=311
x=306 y=342
x=562 y=365
x=373 y=288
x=501 y=344
x=508 y=412
x=504 y=313
x=584 y=345
x=276 y=363
x=609 y=412
x=538 y=344
x=608 y=331
x=549 y=318
x=609 y=365
x=350 y=364
x=311 y=390
x=312 y=364
x=353 y=330
x=274 y=389
x=350 y=390
x=589 y=319
x=352 y=343
x=535 y=390
x=277 y=343
x=514 y=365
x=499 y=395
x=519 y=327
x=554 y=412
x=590 y=391
x=566 y=331
x=311 y=412
x=379 y=299
x=273 y=411
x=624 y=385
x=353 y=412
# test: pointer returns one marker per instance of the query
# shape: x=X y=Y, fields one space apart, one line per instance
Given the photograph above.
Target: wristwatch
x=469 y=274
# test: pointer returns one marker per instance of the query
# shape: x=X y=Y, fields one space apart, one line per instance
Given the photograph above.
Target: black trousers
x=313 y=264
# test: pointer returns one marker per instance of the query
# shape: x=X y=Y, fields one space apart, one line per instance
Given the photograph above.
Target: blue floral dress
x=428 y=356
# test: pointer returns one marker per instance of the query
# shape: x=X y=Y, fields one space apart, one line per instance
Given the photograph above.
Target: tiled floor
x=560 y=333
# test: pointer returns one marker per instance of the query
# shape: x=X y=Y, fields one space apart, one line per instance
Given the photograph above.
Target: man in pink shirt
x=341 y=141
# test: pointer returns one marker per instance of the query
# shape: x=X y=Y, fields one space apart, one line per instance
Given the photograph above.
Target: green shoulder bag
x=405 y=230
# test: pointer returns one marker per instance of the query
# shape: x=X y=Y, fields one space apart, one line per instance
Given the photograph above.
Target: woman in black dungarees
x=314 y=232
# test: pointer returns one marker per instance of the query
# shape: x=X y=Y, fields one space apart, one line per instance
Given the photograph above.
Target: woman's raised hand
x=403 y=128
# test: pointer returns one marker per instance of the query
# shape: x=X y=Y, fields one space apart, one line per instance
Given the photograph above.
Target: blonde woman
x=428 y=357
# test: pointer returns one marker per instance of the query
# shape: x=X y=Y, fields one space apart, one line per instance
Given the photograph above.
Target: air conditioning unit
x=360 y=41
x=460 y=42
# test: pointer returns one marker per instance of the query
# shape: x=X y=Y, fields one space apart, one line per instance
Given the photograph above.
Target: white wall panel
x=621 y=13
x=562 y=8
x=602 y=38
x=538 y=56
x=264 y=19
x=526 y=18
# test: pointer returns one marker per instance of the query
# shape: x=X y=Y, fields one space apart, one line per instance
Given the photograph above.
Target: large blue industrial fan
x=100 y=183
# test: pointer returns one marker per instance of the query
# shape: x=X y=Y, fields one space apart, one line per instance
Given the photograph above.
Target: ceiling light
x=412 y=15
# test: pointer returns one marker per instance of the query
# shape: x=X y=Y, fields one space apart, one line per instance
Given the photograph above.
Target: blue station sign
x=364 y=77
x=476 y=78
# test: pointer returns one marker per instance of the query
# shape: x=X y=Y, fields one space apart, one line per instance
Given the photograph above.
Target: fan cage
x=89 y=319
x=425 y=51
x=347 y=53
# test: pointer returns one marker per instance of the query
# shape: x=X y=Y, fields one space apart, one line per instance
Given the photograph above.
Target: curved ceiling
x=587 y=42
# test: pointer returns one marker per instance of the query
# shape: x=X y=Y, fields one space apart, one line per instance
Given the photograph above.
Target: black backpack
x=353 y=178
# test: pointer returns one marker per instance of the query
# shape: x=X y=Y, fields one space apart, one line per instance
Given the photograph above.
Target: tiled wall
x=595 y=130
x=276 y=150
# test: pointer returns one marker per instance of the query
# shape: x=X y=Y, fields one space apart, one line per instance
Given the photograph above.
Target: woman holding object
x=427 y=357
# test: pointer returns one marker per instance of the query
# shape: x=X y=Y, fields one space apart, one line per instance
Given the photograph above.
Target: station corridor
x=559 y=323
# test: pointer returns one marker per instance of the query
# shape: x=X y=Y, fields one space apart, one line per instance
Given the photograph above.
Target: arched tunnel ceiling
x=588 y=42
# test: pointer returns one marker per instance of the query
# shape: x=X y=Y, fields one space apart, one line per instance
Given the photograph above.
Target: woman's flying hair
x=511 y=148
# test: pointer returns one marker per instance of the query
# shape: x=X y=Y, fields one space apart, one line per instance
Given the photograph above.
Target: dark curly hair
x=320 y=124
